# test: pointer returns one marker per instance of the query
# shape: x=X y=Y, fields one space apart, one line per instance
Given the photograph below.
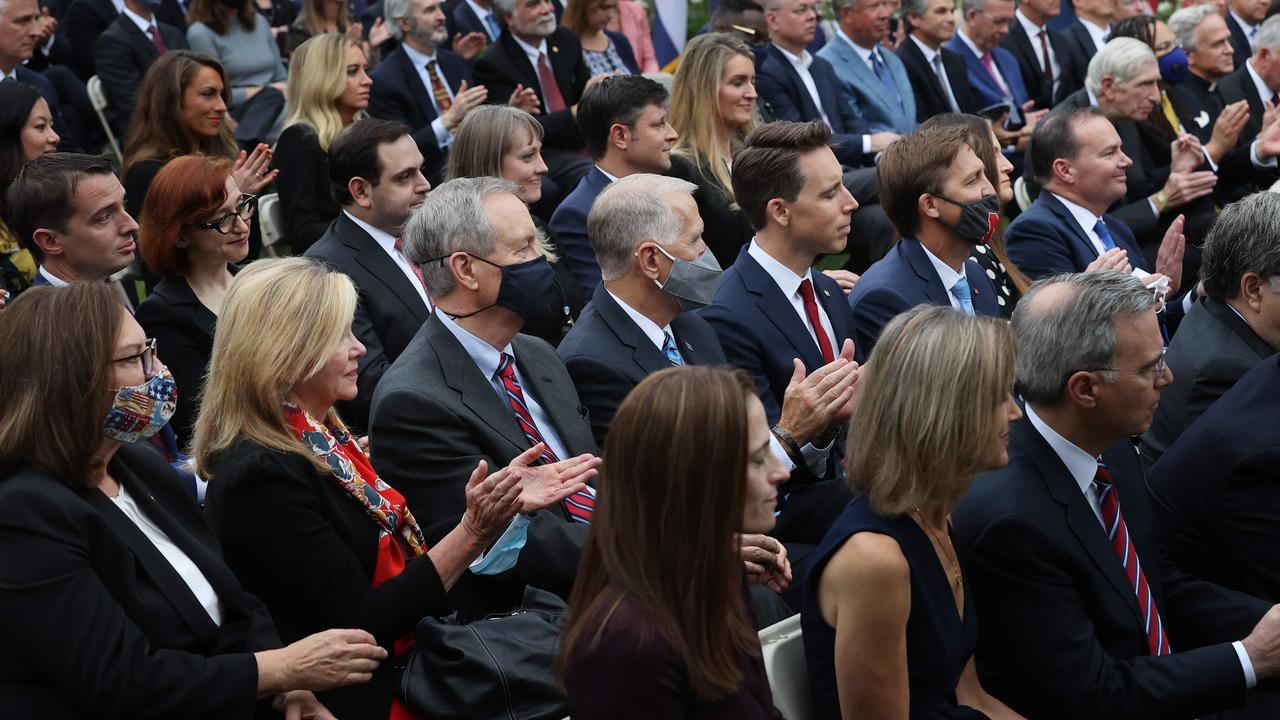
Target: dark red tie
x=154 y=33
x=550 y=90
x=811 y=309
x=1118 y=532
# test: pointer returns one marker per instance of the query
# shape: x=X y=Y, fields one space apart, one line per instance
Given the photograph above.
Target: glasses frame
x=245 y=210
x=147 y=355
x=1158 y=371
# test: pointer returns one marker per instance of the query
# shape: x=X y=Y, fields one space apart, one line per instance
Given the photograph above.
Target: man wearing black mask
x=936 y=192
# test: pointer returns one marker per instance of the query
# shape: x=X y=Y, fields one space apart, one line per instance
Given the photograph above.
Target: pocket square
x=1202 y=119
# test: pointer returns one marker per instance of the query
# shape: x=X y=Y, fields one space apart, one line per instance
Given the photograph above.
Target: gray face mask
x=693 y=283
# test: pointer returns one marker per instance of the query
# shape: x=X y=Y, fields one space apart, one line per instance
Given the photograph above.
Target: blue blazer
x=761 y=333
x=902 y=280
x=867 y=93
x=1046 y=240
x=569 y=223
x=781 y=87
x=984 y=86
x=398 y=94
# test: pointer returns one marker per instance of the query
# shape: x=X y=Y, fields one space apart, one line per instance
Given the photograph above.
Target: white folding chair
x=783 y=650
x=98 y=98
x=1020 y=193
x=270 y=222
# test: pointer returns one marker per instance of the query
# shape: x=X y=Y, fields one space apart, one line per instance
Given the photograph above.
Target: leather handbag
x=496 y=668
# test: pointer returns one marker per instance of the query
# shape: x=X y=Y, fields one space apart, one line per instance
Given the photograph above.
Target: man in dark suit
x=1243 y=19
x=993 y=71
x=938 y=75
x=1089 y=29
x=1078 y=619
x=471 y=387
x=623 y=121
x=125 y=50
x=366 y=162
x=427 y=88
x=533 y=52
x=474 y=16
x=930 y=264
x=1233 y=328
x=86 y=20
x=1050 y=69
x=20 y=19
x=1257 y=81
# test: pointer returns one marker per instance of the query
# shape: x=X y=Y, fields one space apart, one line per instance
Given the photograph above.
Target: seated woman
x=662 y=628
x=193 y=230
x=26 y=132
x=605 y=51
x=233 y=33
x=632 y=20
x=319 y=17
x=116 y=600
x=328 y=90
x=303 y=517
x=506 y=142
x=889 y=628
x=182 y=110
x=713 y=107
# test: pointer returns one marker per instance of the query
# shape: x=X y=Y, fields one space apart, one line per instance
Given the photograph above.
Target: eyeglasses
x=1157 y=370
x=224 y=223
x=147 y=356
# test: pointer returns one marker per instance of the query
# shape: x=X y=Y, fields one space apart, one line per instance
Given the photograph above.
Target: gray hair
x=1269 y=35
x=452 y=219
x=502 y=7
x=1186 y=22
x=1120 y=58
x=839 y=5
x=633 y=210
x=967 y=5
x=1245 y=239
x=393 y=10
x=1077 y=333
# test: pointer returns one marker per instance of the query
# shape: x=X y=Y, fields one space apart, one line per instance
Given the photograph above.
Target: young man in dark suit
x=1090 y=28
x=942 y=204
x=133 y=41
x=938 y=75
x=1050 y=69
x=1244 y=18
x=374 y=166
x=86 y=20
x=1078 y=618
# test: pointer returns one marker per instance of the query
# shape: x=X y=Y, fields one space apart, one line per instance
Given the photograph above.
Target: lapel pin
x=555 y=49
x=826 y=293
x=688 y=347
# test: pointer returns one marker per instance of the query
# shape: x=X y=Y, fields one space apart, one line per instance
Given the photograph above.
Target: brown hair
x=187 y=190
x=913 y=165
x=768 y=165
x=664 y=525
x=43 y=194
x=576 y=13
x=311 y=18
x=927 y=410
x=156 y=131
x=207 y=12
x=56 y=347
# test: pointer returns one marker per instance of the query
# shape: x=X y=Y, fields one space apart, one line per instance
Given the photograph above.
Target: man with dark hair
x=938 y=74
x=134 y=40
x=936 y=192
x=1233 y=328
x=624 y=125
x=743 y=18
x=375 y=168
x=68 y=210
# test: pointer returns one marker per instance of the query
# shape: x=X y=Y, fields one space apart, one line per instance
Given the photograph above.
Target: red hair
x=188 y=189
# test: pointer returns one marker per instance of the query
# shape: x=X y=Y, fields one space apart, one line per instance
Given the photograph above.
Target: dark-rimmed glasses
x=225 y=223
x=146 y=355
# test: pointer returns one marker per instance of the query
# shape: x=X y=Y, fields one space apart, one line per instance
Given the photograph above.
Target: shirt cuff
x=1253 y=156
x=443 y=137
x=1154 y=210
x=781 y=452
x=1212 y=165
x=866 y=144
x=1188 y=300
x=1250 y=679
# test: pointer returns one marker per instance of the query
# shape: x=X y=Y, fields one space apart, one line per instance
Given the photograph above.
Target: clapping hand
x=469 y=45
x=810 y=404
x=1169 y=256
x=525 y=99
x=1187 y=153
x=1113 y=259
x=250 y=170
x=543 y=486
x=491 y=502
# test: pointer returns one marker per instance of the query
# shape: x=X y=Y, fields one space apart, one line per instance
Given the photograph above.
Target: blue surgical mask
x=1173 y=66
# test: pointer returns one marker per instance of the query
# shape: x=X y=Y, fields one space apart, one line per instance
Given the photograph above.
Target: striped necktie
x=1118 y=533
x=669 y=349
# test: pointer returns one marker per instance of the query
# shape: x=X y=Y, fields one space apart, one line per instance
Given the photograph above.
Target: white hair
x=392 y=10
x=1121 y=58
x=1269 y=35
x=635 y=209
x=1186 y=22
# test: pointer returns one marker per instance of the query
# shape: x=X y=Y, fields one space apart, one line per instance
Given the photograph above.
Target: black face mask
x=526 y=289
x=978 y=218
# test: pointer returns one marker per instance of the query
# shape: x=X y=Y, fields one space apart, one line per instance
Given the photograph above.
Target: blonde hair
x=281 y=322
x=925 y=418
x=317 y=78
x=697 y=83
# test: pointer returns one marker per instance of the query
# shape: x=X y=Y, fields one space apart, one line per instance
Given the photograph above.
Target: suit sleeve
x=1211 y=381
x=303 y=176
x=386 y=102
x=1037 y=249
x=67 y=627
x=569 y=223
x=602 y=389
x=1048 y=644
x=873 y=310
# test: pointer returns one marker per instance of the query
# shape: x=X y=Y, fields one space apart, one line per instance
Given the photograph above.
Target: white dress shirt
x=947 y=275
x=1033 y=34
x=939 y=68
x=388 y=245
x=657 y=335
x=1083 y=467
x=1265 y=94
x=54 y=280
x=443 y=137
x=483 y=14
x=1097 y=33
x=143 y=24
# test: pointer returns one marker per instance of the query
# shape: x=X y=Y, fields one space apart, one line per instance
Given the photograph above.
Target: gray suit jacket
x=881 y=111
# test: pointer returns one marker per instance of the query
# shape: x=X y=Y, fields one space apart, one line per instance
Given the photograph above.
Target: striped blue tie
x=669 y=349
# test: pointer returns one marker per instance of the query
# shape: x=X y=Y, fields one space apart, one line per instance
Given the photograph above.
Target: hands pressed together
x=521 y=487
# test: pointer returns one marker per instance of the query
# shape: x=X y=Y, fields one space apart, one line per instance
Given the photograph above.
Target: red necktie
x=550 y=90
x=1118 y=532
x=154 y=33
x=581 y=504
x=811 y=309
x=416 y=270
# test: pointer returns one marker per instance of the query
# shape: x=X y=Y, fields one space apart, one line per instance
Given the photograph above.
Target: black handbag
x=496 y=668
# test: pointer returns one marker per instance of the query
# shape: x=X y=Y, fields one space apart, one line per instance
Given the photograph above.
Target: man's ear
x=47 y=241
x=778 y=210
x=360 y=190
x=619 y=136
x=1251 y=290
x=928 y=206
x=1064 y=171
x=464 y=270
x=1082 y=388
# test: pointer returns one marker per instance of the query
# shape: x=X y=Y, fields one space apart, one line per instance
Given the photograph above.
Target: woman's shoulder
x=248 y=458
x=161 y=306
x=628 y=627
x=298 y=134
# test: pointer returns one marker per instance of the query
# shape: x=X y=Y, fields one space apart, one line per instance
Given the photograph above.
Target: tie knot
x=962 y=284
x=1102 y=478
x=806 y=289
x=507 y=366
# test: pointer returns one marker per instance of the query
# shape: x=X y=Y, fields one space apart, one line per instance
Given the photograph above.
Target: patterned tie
x=886 y=78
x=154 y=34
x=494 y=30
x=1045 y=62
x=581 y=504
x=990 y=65
x=437 y=88
x=1104 y=235
x=811 y=309
x=669 y=349
x=550 y=90
x=963 y=294
x=1118 y=532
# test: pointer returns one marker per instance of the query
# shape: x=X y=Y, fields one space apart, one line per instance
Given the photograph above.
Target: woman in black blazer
x=304 y=519
x=193 y=230
x=116 y=602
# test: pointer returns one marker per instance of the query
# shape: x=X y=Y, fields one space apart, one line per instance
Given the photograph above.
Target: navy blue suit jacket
x=1046 y=240
x=398 y=94
x=569 y=223
x=902 y=280
x=1239 y=42
x=761 y=333
x=984 y=86
x=460 y=18
x=780 y=85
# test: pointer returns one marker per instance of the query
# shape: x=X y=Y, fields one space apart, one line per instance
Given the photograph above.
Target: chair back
x=98 y=99
x=271 y=221
x=783 y=650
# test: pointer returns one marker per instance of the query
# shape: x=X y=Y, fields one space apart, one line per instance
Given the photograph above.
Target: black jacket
x=504 y=65
x=1027 y=52
x=398 y=94
x=122 y=57
x=306 y=193
x=930 y=98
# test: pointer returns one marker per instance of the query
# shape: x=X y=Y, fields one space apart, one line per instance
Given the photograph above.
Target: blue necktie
x=1104 y=235
x=886 y=78
x=669 y=349
x=494 y=30
x=963 y=294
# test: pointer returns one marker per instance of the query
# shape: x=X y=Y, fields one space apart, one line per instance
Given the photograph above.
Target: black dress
x=725 y=227
x=1007 y=294
x=939 y=643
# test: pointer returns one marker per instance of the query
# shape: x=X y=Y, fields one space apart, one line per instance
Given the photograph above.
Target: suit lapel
x=648 y=359
x=807 y=108
x=375 y=261
x=914 y=253
x=477 y=393
x=778 y=309
x=910 y=48
x=139 y=38
x=984 y=298
x=414 y=80
x=836 y=305
x=520 y=63
x=1239 y=327
x=1069 y=221
x=866 y=78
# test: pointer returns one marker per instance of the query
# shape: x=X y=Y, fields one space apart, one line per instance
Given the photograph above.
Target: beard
x=541 y=28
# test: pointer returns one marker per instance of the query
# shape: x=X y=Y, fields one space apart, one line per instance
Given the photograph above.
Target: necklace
x=956 y=577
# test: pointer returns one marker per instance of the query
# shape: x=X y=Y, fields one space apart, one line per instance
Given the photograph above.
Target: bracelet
x=789 y=444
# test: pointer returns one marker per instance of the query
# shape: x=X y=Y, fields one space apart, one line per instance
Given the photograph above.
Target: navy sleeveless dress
x=939 y=644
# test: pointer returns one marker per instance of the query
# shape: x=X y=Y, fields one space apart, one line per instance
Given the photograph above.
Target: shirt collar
x=965 y=39
x=1082 y=466
x=1264 y=92
x=485 y=356
x=1093 y=99
x=1033 y=30
x=383 y=238
x=946 y=273
x=1085 y=218
x=603 y=172
x=142 y=23
x=1244 y=24
x=119 y=5
x=479 y=11
x=54 y=280
x=656 y=335
x=1097 y=32
x=801 y=61
x=11 y=74
x=927 y=51
x=864 y=53
x=418 y=59
x=532 y=51
x=783 y=276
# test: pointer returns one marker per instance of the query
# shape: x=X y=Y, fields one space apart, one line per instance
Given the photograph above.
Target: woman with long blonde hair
x=713 y=109
x=328 y=90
